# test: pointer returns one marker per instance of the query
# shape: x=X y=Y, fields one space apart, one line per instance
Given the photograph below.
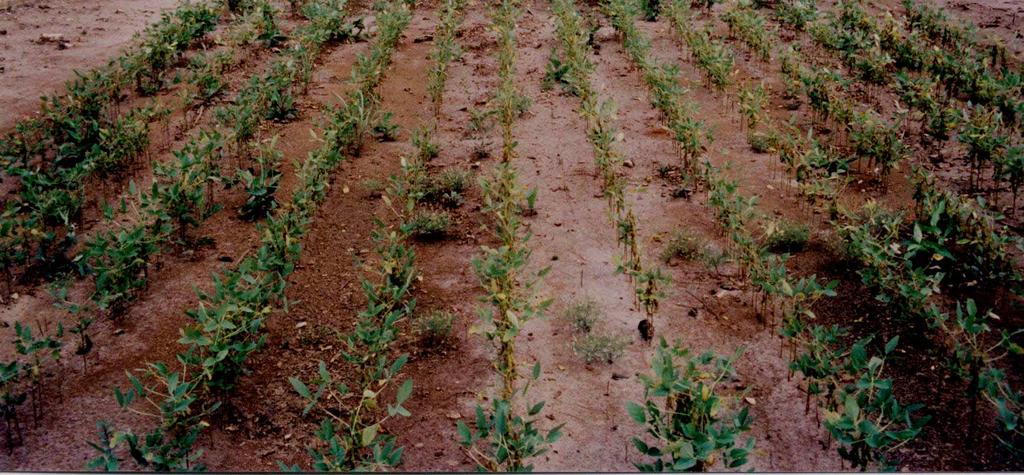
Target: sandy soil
x=93 y=31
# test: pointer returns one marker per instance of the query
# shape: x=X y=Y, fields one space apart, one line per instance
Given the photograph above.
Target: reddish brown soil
x=261 y=422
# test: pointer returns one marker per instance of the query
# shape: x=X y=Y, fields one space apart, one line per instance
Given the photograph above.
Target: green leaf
x=555 y=434
x=852 y=408
x=404 y=392
x=300 y=388
x=369 y=433
x=467 y=436
x=891 y=345
x=640 y=445
x=636 y=412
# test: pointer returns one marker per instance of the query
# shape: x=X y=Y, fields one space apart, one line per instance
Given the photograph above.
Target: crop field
x=512 y=235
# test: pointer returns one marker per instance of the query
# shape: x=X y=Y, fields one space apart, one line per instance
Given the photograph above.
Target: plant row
x=356 y=442
x=861 y=412
x=42 y=232
x=26 y=374
x=228 y=323
x=446 y=49
x=663 y=82
x=930 y=81
x=905 y=263
x=689 y=429
x=181 y=195
x=573 y=34
x=503 y=437
x=81 y=133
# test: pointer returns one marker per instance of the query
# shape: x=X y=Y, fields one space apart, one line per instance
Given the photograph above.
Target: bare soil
x=261 y=422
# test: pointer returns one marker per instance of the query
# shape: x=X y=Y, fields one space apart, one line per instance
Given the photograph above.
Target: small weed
x=583 y=315
x=374 y=187
x=384 y=130
x=435 y=328
x=422 y=139
x=481 y=150
x=595 y=347
x=531 y=203
x=713 y=257
x=430 y=224
x=761 y=142
x=445 y=189
x=786 y=237
x=481 y=122
x=683 y=245
x=667 y=171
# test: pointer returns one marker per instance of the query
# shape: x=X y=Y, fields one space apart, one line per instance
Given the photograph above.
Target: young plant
x=261 y=183
x=753 y=103
x=867 y=420
x=503 y=438
x=878 y=142
x=118 y=261
x=267 y=31
x=182 y=194
x=751 y=28
x=685 y=413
